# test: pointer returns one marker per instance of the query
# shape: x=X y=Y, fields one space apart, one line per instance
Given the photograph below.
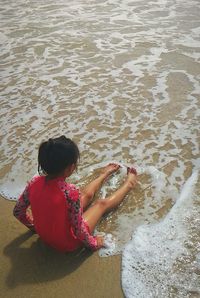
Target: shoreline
x=29 y=266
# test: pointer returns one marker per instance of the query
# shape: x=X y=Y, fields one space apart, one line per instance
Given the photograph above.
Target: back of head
x=55 y=155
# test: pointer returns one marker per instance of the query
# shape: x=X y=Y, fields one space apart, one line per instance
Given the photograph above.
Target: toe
x=131 y=170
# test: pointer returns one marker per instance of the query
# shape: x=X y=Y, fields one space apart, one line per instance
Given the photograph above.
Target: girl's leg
x=95 y=212
x=87 y=193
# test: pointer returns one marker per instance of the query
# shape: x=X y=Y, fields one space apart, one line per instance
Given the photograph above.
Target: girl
x=59 y=214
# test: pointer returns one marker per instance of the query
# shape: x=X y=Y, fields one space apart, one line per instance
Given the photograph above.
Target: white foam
x=109 y=248
x=119 y=77
x=159 y=261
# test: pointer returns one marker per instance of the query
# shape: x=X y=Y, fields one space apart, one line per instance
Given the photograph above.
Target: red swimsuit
x=57 y=213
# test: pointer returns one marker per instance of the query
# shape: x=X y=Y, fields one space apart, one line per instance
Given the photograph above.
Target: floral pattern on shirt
x=20 y=209
x=79 y=226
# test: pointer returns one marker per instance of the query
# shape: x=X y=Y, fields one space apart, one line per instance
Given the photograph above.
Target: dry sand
x=31 y=269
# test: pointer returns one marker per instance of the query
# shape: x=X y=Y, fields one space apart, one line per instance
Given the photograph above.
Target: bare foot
x=109 y=169
x=131 y=180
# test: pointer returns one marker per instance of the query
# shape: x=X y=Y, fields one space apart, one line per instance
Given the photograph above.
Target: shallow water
x=163 y=259
x=119 y=77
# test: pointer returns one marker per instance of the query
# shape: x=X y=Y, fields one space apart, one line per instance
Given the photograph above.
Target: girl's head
x=57 y=155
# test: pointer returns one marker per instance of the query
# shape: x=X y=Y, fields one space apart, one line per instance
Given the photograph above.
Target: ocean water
x=163 y=259
x=121 y=78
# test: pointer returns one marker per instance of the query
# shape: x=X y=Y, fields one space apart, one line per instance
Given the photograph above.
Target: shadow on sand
x=38 y=262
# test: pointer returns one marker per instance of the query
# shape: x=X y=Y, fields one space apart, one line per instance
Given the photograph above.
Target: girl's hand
x=100 y=241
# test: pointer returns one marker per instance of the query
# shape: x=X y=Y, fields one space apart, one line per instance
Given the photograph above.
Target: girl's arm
x=20 y=210
x=80 y=228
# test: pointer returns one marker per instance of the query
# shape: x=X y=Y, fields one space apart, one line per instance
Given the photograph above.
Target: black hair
x=55 y=155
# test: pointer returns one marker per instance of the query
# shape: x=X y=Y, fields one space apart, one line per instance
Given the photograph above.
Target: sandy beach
x=31 y=269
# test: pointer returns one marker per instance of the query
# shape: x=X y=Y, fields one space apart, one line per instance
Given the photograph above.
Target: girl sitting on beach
x=59 y=214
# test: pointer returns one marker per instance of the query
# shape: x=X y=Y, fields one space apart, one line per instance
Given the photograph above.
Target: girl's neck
x=51 y=177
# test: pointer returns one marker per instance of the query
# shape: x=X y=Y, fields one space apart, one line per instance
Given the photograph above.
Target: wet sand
x=31 y=269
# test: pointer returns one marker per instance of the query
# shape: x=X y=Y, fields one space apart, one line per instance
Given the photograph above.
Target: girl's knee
x=87 y=195
x=102 y=204
x=85 y=199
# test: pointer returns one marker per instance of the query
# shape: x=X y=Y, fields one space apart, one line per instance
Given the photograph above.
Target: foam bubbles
x=109 y=248
x=102 y=74
x=161 y=260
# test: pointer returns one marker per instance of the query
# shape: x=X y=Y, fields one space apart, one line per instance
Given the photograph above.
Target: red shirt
x=56 y=214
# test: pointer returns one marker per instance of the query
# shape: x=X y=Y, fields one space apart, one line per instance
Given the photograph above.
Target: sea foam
x=162 y=259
